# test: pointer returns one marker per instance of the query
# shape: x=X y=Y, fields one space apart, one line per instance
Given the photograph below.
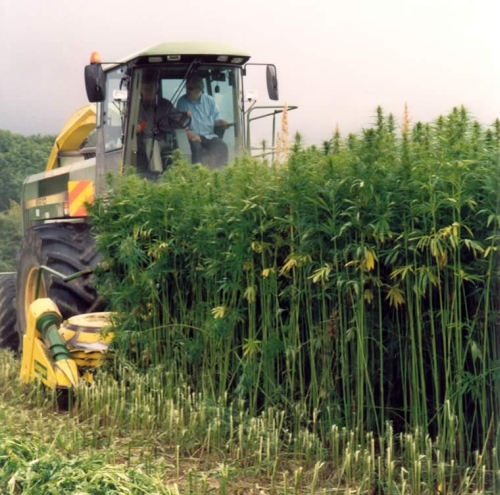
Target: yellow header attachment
x=73 y=133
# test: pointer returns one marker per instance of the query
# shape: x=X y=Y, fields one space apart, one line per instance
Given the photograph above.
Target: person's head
x=148 y=88
x=194 y=87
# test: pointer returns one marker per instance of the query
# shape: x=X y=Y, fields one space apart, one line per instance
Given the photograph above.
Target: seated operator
x=206 y=147
x=157 y=118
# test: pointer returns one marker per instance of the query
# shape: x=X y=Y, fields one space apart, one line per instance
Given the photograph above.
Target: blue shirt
x=205 y=113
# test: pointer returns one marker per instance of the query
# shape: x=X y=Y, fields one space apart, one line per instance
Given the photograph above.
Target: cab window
x=114 y=110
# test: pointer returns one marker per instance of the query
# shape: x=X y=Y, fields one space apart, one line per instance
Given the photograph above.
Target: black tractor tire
x=9 y=338
x=67 y=248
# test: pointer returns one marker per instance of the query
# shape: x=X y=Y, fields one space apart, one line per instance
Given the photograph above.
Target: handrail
x=277 y=110
x=65 y=278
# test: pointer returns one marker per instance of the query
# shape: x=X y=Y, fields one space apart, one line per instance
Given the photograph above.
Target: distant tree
x=20 y=156
x=10 y=230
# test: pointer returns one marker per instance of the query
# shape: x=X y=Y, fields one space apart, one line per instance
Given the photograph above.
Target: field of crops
x=324 y=325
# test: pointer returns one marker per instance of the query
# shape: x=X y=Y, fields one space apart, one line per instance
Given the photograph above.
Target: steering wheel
x=173 y=121
x=219 y=130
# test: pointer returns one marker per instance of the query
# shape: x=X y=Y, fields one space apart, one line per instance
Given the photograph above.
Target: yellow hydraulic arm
x=73 y=134
x=45 y=354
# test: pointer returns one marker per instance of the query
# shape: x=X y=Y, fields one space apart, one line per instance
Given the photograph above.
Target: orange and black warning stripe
x=79 y=193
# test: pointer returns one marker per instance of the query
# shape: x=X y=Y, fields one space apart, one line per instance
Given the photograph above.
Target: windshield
x=178 y=110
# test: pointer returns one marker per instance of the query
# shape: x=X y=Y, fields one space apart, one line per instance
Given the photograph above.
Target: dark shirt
x=155 y=118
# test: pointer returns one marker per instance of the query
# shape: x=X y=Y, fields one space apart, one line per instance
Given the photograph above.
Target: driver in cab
x=157 y=118
x=206 y=147
x=157 y=114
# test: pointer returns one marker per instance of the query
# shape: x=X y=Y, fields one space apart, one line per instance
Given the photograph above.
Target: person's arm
x=182 y=107
x=183 y=121
x=172 y=114
x=192 y=136
x=142 y=123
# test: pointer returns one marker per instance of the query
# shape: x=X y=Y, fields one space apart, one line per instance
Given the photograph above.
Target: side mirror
x=272 y=82
x=95 y=83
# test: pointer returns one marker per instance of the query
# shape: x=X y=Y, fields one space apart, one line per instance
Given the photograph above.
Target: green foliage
x=360 y=283
x=127 y=432
x=10 y=229
x=20 y=156
x=27 y=467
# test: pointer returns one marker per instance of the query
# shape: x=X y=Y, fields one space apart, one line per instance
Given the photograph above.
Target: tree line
x=20 y=156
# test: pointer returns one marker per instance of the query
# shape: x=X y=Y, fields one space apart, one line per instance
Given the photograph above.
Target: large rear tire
x=9 y=338
x=66 y=248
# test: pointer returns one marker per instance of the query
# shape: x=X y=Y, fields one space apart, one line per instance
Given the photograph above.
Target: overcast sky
x=336 y=59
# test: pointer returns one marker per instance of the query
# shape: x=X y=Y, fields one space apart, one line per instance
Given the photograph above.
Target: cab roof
x=186 y=51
